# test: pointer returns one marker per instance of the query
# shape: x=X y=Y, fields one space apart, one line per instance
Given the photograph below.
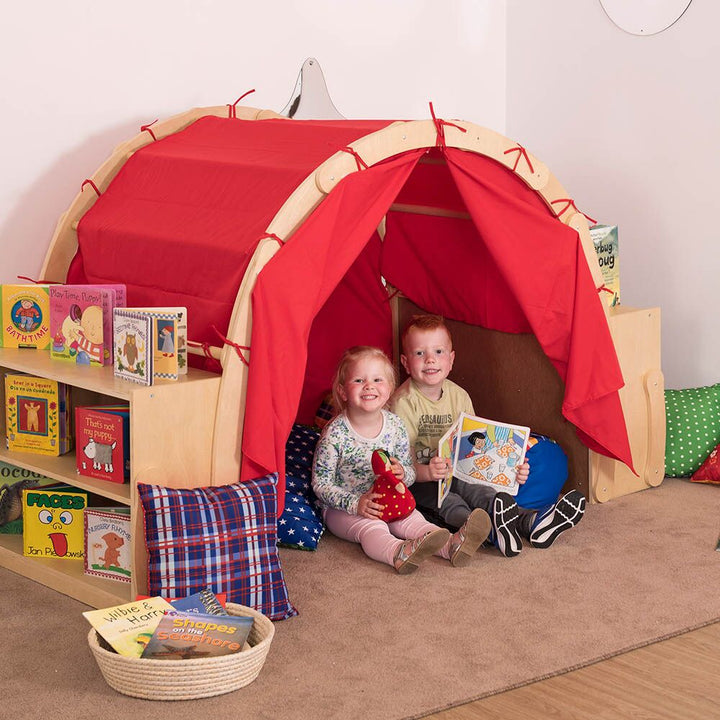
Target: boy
x=429 y=403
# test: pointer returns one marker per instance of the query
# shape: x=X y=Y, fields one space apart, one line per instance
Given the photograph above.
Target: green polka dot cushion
x=693 y=428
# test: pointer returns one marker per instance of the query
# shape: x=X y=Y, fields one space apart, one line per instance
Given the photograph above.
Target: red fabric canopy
x=514 y=268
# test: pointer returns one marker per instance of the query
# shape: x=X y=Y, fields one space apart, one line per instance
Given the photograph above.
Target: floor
x=676 y=679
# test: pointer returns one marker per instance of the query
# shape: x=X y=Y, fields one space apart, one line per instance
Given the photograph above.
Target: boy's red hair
x=424 y=323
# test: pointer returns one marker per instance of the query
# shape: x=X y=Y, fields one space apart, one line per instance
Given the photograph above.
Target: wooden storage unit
x=171 y=429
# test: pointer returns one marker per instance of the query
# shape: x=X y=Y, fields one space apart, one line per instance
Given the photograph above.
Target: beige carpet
x=371 y=644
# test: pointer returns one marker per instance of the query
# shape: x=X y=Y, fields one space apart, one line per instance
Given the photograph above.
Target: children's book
x=185 y=636
x=127 y=628
x=80 y=323
x=53 y=522
x=25 y=312
x=169 y=340
x=605 y=239
x=107 y=543
x=204 y=602
x=36 y=416
x=102 y=442
x=13 y=480
x=132 y=338
x=483 y=451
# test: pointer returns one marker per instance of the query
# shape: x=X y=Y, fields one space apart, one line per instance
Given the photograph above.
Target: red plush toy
x=397 y=499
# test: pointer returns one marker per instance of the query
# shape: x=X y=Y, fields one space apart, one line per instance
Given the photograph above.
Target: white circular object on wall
x=644 y=17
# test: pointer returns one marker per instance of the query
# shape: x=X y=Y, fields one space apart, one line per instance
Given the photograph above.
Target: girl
x=343 y=476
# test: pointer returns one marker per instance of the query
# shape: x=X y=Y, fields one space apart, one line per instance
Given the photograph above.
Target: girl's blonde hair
x=352 y=355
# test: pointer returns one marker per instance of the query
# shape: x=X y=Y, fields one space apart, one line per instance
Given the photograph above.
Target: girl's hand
x=397 y=469
x=368 y=507
x=523 y=471
x=438 y=467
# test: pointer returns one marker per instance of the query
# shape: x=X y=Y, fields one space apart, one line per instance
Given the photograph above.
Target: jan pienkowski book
x=188 y=635
x=483 y=451
x=128 y=628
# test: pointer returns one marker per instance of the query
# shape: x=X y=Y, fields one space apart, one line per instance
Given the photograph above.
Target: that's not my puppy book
x=102 y=442
x=128 y=628
x=36 y=417
x=25 y=313
x=133 y=345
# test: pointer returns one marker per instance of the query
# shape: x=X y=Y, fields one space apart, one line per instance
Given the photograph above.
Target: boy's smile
x=428 y=358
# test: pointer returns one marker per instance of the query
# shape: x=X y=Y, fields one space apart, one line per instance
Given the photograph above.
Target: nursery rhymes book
x=132 y=339
x=127 y=628
x=53 y=523
x=36 y=415
x=169 y=331
x=605 y=239
x=184 y=636
x=102 y=442
x=107 y=543
x=483 y=451
x=25 y=311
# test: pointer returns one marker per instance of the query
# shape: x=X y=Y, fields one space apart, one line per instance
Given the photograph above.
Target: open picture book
x=483 y=451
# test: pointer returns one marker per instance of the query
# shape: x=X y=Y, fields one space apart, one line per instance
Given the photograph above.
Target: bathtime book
x=483 y=451
x=107 y=543
x=188 y=635
x=25 y=313
x=36 y=415
x=127 y=628
x=102 y=442
x=53 y=522
x=133 y=350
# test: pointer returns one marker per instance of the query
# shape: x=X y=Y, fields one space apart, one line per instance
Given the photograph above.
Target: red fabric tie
x=231 y=108
x=147 y=127
x=92 y=184
x=520 y=150
x=440 y=126
x=238 y=348
x=39 y=282
x=361 y=164
x=569 y=202
x=273 y=236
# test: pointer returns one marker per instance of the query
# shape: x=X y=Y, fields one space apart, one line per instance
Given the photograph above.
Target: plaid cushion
x=219 y=537
x=300 y=525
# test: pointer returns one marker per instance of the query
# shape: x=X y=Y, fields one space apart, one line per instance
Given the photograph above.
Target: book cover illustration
x=25 y=311
x=77 y=323
x=488 y=452
x=185 y=636
x=169 y=340
x=107 y=543
x=132 y=338
x=53 y=523
x=13 y=480
x=36 y=415
x=204 y=602
x=605 y=239
x=102 y=442
x=127 y=628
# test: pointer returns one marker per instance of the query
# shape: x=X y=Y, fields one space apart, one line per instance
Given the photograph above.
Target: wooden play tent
x=289 y=240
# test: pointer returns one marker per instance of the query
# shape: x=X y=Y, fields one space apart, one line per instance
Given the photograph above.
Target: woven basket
x=187 y=679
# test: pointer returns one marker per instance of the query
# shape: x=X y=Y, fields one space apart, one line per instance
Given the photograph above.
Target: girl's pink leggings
x=379 y=540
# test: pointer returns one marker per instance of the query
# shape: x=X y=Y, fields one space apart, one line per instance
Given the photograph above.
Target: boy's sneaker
x=504 y=534
x=549 y=524
x=464 y=543
x=412 y=552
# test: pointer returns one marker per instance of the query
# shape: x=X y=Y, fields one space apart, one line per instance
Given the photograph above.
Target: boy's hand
x=397 y=469
x=438 y=467
x=368 y=507
x=523 y=471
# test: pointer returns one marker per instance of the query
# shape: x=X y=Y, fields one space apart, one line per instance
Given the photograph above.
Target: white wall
x=80 y=76
x=630 y=125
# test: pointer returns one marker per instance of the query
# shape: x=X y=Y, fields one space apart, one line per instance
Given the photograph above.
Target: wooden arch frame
x=396 y=138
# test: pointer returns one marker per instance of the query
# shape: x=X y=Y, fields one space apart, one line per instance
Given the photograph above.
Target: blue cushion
x=299 y=452
x=221 y=537
x=300 y=525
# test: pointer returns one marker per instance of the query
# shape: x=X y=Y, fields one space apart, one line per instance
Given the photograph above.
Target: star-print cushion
x=299 y=452
x=709 y=471
x=693 y=428
x=223 y=537
x=300 y=525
